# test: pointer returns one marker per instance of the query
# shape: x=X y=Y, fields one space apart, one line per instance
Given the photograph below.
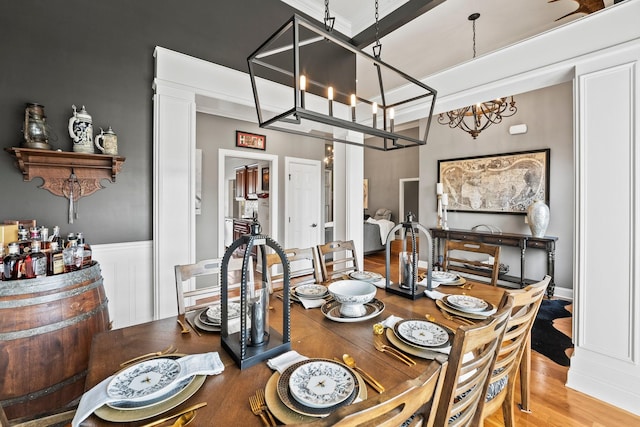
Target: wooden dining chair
x=206 y=290
x=337 y=259
x=303 y=264
x=457 y=261
x=407 y=404
x=471 y=360
x=515 y=342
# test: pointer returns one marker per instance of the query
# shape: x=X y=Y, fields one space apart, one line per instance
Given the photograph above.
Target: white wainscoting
x=127 y=271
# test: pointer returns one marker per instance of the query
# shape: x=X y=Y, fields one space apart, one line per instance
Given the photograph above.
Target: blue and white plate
x=466 y=303
x=422 y=333
x=311 y=291
x=144 y=381
x=321 y=384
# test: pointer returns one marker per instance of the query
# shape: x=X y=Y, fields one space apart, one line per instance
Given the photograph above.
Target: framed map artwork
x=500 y=183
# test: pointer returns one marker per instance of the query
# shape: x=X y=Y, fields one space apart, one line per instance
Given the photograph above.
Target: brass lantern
x=407 y=283
x=256 y=341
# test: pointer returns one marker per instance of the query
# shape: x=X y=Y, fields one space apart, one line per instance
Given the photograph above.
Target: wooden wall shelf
x=55 y=169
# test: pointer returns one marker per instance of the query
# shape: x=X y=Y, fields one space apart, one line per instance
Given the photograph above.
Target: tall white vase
x=538 y=218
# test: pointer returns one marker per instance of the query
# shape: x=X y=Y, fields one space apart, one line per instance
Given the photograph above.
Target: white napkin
x=380 y=283
x=434 y=284
x=311 y=303
x=434 y=294
x=282 y=362
x=196 y=364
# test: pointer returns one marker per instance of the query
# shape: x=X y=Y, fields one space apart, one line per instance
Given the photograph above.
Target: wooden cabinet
x=240 y=228
x=246 y=182
x=252 y=182
x=240 y=183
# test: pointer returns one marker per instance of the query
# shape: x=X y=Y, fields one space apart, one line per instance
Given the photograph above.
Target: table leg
x=525 y=377
x=551 y=259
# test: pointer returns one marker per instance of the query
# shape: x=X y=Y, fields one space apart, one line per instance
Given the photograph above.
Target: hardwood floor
x=552 y=404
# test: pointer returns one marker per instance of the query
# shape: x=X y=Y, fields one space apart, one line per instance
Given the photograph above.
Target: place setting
x=445 y=278
x=310 y=295
x=466 y=306
x=303 y=389
x=353 y=301
x=418 y=337
x=209 y=319
x=149 y=387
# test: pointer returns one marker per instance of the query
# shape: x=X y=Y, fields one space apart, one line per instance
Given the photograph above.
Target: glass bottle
x=38 y=261
x=55 y=263
x=55 y=237
x=11 y=263
x=86 y=251
x=23 y=238
x=72 y=254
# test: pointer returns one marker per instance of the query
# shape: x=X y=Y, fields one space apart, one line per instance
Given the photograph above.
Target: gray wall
x=548 y=113
x=384 y=169
x=213 y=133
x=100 y=54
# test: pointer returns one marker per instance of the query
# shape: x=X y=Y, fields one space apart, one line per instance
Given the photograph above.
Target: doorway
x=409 y=198
x=227 y=158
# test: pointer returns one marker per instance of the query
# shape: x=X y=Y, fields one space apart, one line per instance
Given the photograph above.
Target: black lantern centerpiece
x=407 y=284
x=256 y=341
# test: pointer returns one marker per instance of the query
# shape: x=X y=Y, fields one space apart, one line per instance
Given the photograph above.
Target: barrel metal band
x=43 y=392
x=51 y=283
x=53 y=326
x=25 y=302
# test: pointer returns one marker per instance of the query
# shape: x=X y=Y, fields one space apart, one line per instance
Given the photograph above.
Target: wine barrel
x=46 y=328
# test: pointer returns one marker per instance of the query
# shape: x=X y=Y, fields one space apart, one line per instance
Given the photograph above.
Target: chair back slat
x=456 y=258
x=525 y=304
x=303 y=264
x=471 y=361
x=337 y=259
x=413 y=398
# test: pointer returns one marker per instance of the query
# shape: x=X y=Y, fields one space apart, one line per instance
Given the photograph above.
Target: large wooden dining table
x=312 y=335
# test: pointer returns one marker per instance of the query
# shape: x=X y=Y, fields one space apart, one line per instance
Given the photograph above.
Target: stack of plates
x=367 y=276
x=311 y=389
x=147 y=389
x=311 y=291
x=445 y=278
x=420 y=337
x=209 y=319
x=467 y=306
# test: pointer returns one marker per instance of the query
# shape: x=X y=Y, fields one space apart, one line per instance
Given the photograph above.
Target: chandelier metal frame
x=492 y=112
x=296 y=104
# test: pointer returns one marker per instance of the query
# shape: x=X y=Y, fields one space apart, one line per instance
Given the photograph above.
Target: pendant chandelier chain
x=480 y=115
x=377 y=49
x=328 y=20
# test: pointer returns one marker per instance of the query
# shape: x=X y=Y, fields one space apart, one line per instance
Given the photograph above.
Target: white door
x=303 y=212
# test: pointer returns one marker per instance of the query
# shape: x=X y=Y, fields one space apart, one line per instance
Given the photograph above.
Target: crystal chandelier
x=296 y=90
x=475 y=118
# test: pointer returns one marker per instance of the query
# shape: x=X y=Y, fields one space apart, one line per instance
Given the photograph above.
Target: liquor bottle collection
x=38 y=254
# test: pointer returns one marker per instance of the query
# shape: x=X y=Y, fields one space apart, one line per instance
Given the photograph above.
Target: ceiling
x=434 y=35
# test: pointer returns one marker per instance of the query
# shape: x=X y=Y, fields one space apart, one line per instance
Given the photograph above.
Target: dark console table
x=522 y=241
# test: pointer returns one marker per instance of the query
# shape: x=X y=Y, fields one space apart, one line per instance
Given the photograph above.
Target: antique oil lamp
x=256 y=341
x=35 y=129
x=407 y=284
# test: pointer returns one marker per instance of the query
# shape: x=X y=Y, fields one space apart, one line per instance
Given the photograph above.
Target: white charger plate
x=422 y=333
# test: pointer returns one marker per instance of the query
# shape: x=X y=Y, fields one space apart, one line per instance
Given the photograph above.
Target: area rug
x=545 y=338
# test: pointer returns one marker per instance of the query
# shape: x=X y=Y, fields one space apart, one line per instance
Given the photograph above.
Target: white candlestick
x=374 y=110
x=303 y=88
x=439 y=188
x=353 y=108
x=445 y=199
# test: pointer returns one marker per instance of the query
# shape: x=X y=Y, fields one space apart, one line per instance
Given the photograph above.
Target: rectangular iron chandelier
x=295 y=92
